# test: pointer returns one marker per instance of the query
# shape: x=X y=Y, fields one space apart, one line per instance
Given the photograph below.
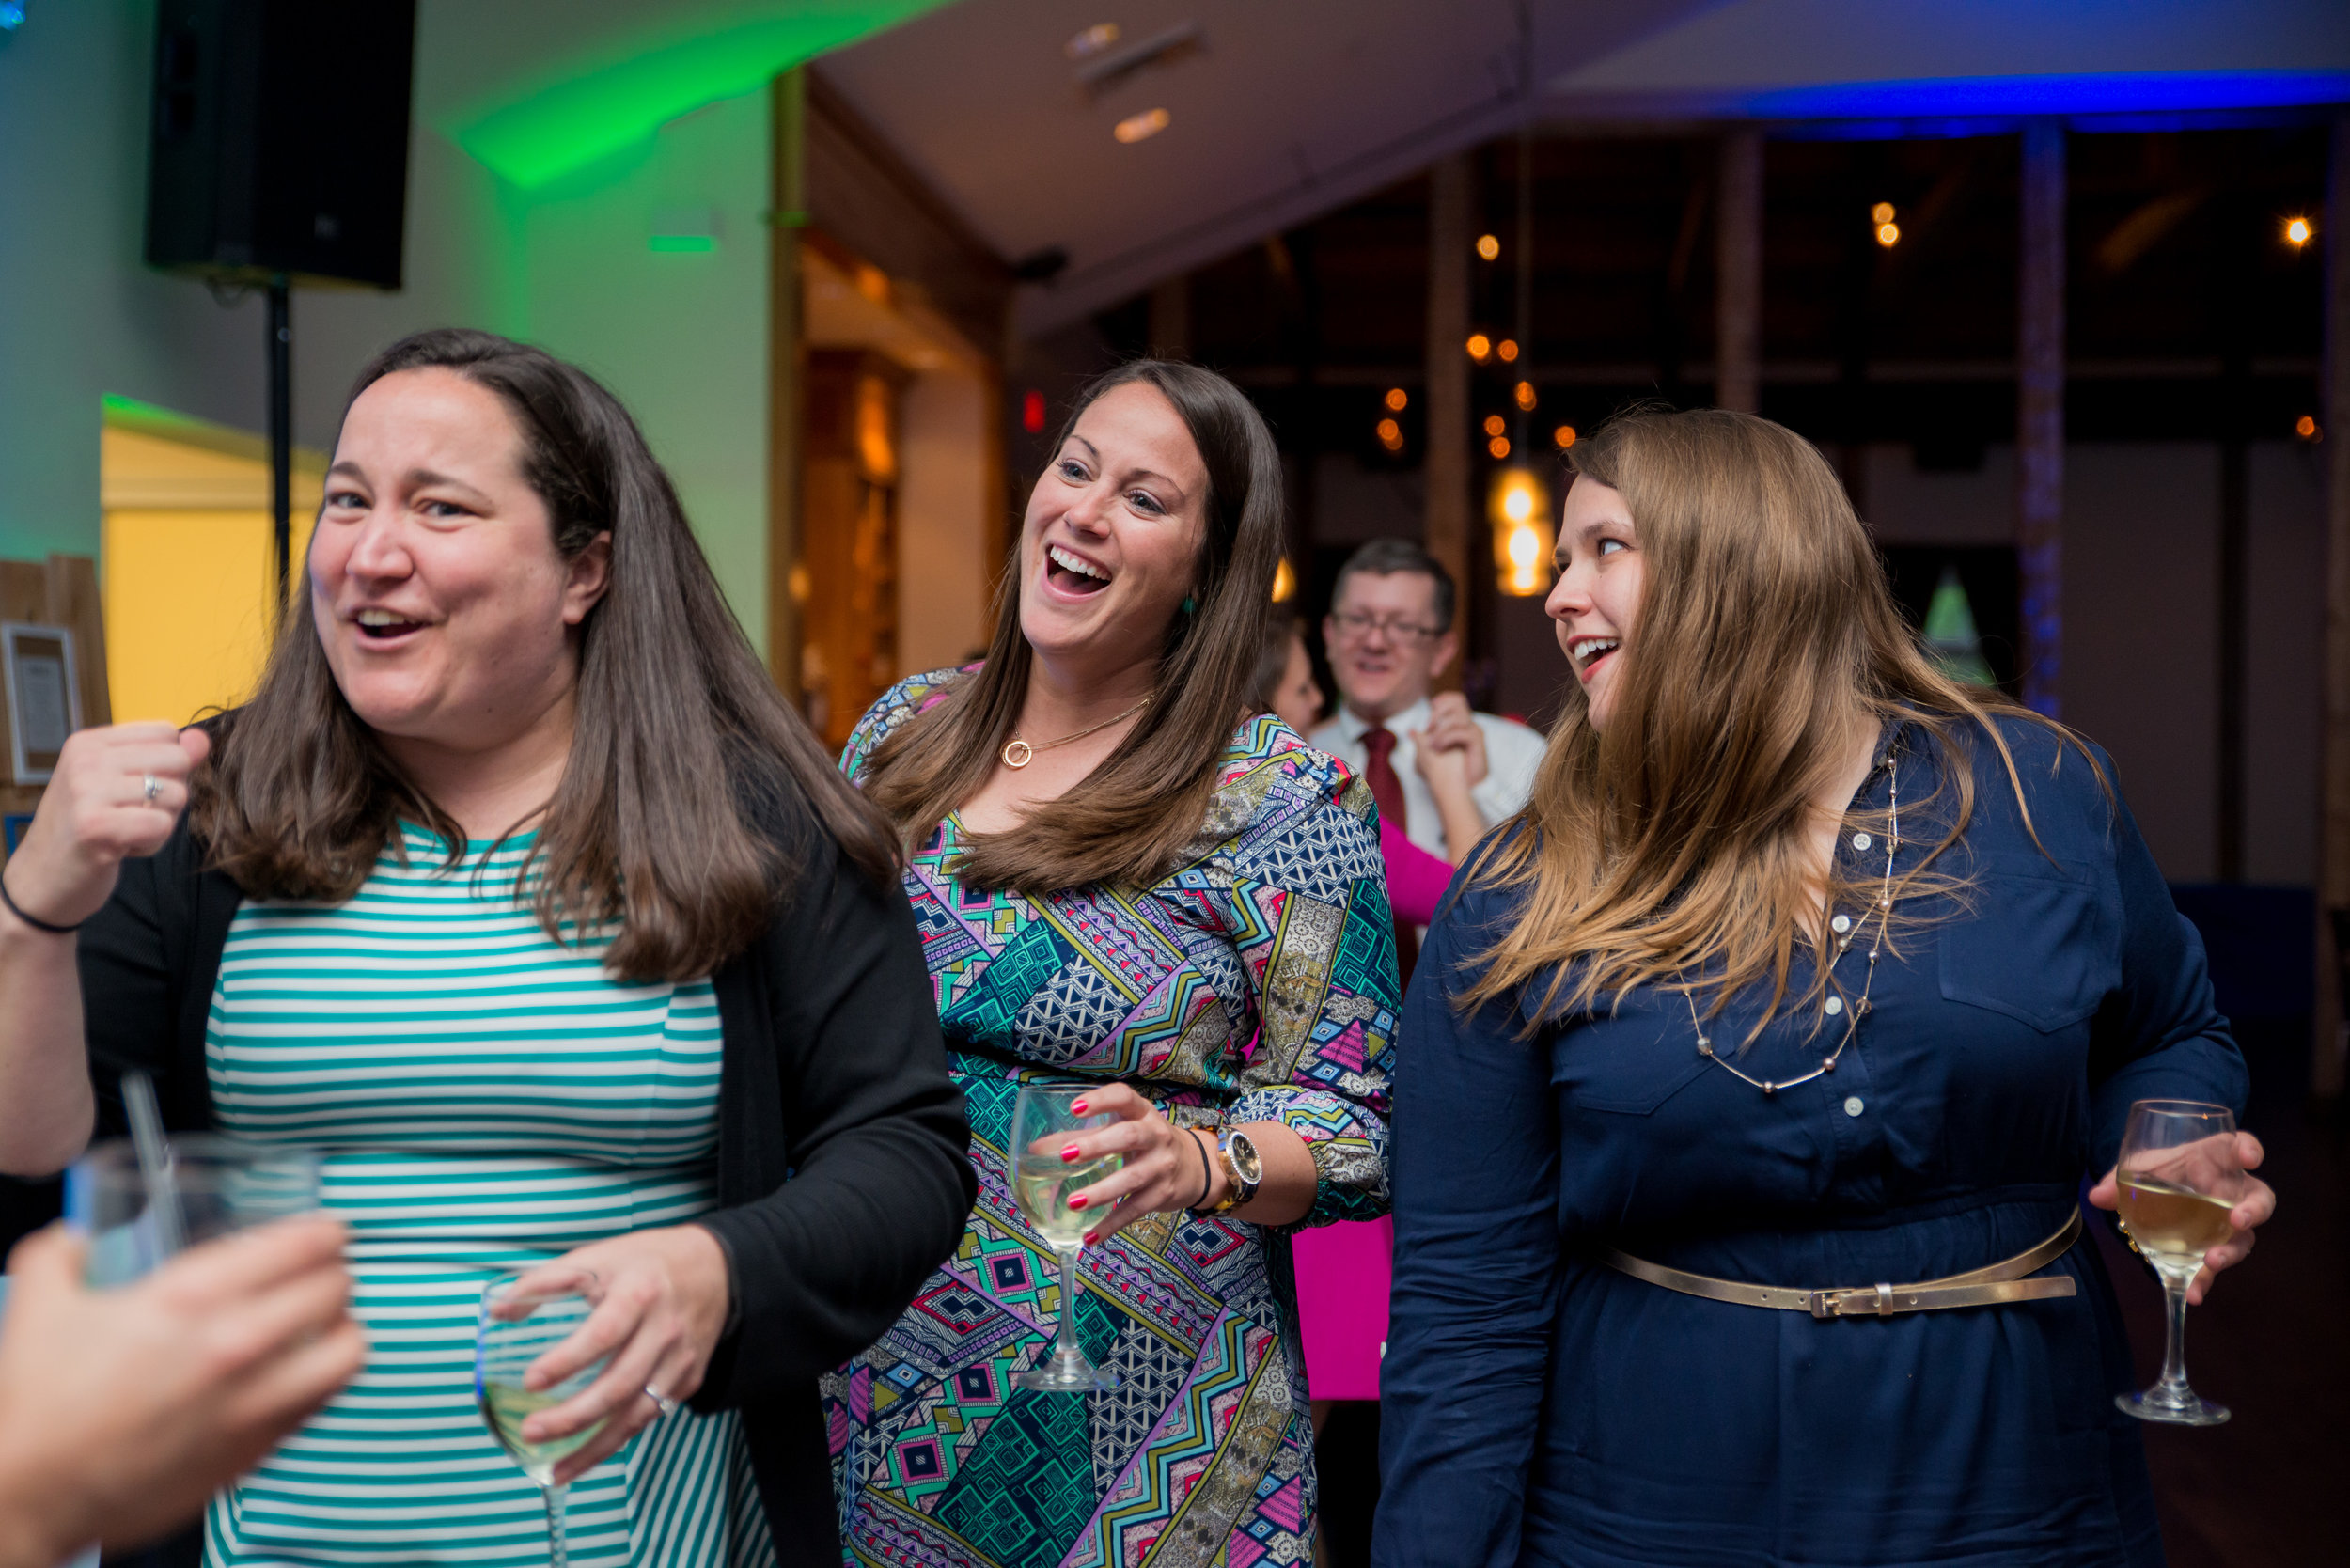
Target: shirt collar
x=1355 y=727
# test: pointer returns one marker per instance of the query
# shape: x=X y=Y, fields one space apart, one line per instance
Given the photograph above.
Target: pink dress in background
x=1342 y=1270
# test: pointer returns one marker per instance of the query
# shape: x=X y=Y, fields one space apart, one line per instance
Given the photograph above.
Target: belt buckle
x=1874 y=1301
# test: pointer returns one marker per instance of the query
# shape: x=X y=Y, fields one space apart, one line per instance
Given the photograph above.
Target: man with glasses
x=1389 y=635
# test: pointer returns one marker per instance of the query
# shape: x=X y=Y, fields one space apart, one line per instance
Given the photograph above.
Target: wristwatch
x=1242 y=1170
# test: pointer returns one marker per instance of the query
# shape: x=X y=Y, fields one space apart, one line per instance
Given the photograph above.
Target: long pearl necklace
x=1018 y=753
x=1846 y=931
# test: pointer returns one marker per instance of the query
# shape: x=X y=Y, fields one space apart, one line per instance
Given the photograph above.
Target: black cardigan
x=842 y=1175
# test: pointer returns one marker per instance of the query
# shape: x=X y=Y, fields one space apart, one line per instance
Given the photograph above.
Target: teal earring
x=1190 y=605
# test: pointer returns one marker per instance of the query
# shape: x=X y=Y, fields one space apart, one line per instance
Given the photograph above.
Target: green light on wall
x=533 y=140
x=681 y=243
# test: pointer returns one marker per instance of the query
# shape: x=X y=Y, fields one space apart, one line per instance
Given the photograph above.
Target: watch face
x=1246 y=1160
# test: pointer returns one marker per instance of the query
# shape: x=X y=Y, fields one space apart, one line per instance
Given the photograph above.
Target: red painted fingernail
x=1079 y=1108
x=1078 y=1201
x=1092 y=1236
x=1069 y=1154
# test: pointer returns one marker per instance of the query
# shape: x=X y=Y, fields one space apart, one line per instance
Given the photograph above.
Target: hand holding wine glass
x=523 y=1316
x=2253 y=1209
x=2181 y=1190
x=1051 y=1188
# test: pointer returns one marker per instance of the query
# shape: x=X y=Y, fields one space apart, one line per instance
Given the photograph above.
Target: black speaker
x=279 y=139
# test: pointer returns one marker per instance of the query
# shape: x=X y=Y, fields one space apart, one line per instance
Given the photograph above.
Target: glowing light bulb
x=1498 y=446
x=1882 y=212
x=1564 y=436
x=2297 y=232
x=1889 y=235
x=1488 y=247
x=1390 y=435
x=1508 y=351
x=1480 y=346
x=1396 y=399
x=1518 y=505
x=2306 y=428
x=1141 y=127
x=1526 y=395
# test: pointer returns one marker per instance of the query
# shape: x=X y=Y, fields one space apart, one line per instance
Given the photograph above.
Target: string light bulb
x=1495 y=424
x=1507 y=350
x=1889 y=235
x=1498 y=446
x=1390 y=435
x=1526 y=395
x=1488 y=247
x=1397 y=399
x=1564 y=436
x=2306 y=428
x=2297 y=232
x=1519 y=506
x=1480 y=348
x=1881 y=213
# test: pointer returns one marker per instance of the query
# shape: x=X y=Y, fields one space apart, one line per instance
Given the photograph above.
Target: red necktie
x=1386 y=791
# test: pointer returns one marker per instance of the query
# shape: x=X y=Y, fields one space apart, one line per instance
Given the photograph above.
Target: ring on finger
x=666 y=1405
x=150 y=786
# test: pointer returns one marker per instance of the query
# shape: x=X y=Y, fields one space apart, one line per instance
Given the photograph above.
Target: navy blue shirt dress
x=1540 y=1407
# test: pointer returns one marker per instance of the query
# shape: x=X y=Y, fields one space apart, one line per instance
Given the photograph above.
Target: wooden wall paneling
x=848 y=512
x=1445 y=529
x=787 y=370
x=71 y=599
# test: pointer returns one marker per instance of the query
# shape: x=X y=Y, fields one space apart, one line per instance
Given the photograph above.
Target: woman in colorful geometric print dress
x=1122 y=880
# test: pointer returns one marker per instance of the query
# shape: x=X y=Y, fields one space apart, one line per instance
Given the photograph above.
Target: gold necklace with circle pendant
x=1019 y=753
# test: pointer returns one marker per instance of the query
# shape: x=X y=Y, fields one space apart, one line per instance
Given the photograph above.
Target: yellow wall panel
x=187 y=608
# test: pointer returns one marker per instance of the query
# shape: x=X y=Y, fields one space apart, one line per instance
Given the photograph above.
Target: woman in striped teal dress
x=517 y=889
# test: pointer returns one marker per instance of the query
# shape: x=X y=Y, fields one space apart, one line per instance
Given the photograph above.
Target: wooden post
x=1738 y=274
x=2040 y=415
x=1170 y=319
x=787 y=376
x=1446 y=467
x=2326 y=1055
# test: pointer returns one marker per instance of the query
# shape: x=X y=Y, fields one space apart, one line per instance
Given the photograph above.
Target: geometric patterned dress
x=1255 y=982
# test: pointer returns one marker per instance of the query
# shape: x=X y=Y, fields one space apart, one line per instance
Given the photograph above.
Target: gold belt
x=1983 y=1287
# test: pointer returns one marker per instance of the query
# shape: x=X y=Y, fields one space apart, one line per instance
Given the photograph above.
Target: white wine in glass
x=2179 y=1180
x=1043 y=1119
x=517 y=1326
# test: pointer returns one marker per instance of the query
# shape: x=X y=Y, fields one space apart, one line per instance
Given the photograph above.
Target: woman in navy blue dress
x=1805 y=968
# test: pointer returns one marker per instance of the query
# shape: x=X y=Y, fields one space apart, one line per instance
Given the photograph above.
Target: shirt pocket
x=1610 y=1068
x=2034 y=943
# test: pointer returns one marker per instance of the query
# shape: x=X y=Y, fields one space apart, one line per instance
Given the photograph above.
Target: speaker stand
x=281 y=434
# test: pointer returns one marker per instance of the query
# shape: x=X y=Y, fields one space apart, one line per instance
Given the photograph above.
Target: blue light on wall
x=11 y=15
x=2101 y=93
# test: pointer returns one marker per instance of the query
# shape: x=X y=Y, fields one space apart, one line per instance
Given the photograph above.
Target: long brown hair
x=692 y=792
x=1126 y=823
x=1674 y=845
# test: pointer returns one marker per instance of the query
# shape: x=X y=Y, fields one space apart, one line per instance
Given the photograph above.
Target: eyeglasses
x=1355 y=625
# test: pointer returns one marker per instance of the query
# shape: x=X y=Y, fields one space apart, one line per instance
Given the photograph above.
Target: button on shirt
x=1513 y=752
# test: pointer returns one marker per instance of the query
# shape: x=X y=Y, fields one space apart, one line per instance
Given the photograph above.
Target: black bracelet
x=34 y=920
x=1207 y=1177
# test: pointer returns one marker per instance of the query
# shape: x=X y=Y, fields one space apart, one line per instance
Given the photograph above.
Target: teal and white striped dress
x=488 y=1098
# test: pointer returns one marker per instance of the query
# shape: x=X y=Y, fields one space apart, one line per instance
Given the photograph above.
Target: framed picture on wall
x=41 y=696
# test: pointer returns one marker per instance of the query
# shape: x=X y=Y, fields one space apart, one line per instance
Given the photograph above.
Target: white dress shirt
x=1513 y=752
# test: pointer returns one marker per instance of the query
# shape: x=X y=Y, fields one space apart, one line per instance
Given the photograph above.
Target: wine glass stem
x=557 y=1555
x=1067 y=1350
x=2173 y=1383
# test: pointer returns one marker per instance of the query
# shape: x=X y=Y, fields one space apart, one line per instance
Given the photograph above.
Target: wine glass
x=2178 y=1178
x=1042 y=1121
x=518 y=1325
